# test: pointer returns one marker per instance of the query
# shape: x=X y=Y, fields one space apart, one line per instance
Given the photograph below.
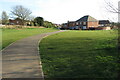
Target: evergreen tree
x=39 y=21
x=4 y=18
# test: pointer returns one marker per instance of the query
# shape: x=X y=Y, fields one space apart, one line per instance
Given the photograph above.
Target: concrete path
x=21 y=59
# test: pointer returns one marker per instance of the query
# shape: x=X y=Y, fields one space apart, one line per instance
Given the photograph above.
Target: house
x=72 y=25
x=86 y=22
x=17 y=21
x=64 y=26
x=104 y=25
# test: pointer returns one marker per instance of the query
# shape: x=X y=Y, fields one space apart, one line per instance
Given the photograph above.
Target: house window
x=80 y=23
x=17 y=22
x=84 y=23
x=76 y=23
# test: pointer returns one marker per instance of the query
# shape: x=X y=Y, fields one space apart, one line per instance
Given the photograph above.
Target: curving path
x=21 y=59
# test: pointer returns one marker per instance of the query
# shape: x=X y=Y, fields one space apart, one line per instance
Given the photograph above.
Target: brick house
x=17 y=21
x=104 y=23
x=64 y=26
x=86 y=22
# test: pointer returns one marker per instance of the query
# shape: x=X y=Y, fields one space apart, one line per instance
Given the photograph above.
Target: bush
x=39 y=21
x=48 y=24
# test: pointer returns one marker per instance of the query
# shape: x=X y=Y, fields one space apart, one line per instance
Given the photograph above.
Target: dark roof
x=64 y=24
x=104 y=22
x=71 y=21
x=86 y=18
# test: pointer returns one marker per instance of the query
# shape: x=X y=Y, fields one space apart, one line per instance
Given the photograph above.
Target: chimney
x=68 y=24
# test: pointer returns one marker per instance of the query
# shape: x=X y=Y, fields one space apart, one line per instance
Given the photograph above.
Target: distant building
x=17 y=21
x=104 y=23
x=72 y=25
x=64 y=26
x=86 y=22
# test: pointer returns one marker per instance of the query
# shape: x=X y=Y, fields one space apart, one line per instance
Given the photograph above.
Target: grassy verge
x=11 y=35
x=80 y=54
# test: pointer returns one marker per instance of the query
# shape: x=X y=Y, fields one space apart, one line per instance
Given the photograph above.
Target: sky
x=61 y=11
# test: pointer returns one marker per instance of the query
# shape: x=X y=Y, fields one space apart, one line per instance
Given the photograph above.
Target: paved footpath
x=21 y=59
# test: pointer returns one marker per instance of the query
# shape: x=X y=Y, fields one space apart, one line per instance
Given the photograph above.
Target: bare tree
x=4 y=18
x=21 y=12
x=31 y=18
x=111 y=8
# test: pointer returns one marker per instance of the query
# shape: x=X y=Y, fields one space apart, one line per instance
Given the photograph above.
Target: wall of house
x=82 y=25
x=71 y=24
x=64 y=26
x=103 y=28
x=92 y=24
x=15 y=22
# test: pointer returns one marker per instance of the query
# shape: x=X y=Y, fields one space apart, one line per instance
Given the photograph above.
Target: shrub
x=49 y=24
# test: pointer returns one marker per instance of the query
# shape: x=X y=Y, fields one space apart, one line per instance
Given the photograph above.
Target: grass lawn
x=80 y=54
x=11 y=35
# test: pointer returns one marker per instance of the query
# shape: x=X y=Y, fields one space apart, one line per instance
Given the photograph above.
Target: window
x=17 y=22
x=80 y=23
x=76 y=23
x=84 y=23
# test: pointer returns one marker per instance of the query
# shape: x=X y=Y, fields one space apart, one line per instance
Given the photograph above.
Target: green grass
x=80 y=54
x=11 y=35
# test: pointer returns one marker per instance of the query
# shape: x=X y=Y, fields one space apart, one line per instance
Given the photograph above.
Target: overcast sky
x=60 y=11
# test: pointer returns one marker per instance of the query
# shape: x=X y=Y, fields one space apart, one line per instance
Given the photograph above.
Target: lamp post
x=119 y=11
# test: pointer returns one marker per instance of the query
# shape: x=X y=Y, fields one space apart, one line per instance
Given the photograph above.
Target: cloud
x=60 y=11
